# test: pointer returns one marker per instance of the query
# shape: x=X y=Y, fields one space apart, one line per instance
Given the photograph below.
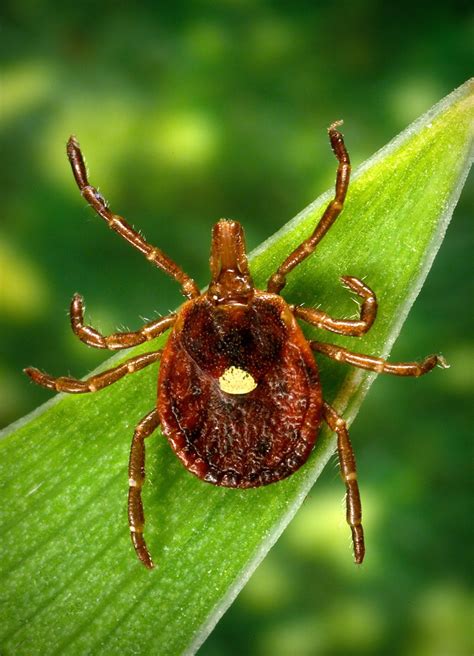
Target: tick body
x=239 y=395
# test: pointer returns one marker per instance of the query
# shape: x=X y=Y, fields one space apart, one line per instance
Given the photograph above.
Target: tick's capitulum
x=239 y=396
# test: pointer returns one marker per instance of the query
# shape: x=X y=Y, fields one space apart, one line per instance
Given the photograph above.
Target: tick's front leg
x=349 y=476
x=136 y=478
x=120 y=226
x=278 y=279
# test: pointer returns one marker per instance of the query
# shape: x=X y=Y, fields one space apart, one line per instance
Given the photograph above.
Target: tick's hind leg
x=349 y=476
x=136 y=477
x=116 y=341
x=378 y=364
x=94 y=383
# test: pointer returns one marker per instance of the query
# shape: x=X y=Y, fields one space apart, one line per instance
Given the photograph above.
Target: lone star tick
x=239 y=396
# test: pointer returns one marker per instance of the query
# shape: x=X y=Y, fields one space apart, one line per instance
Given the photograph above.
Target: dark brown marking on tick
x=239 y=396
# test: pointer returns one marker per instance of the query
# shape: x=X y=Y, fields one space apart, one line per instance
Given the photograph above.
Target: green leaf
x=70 y=581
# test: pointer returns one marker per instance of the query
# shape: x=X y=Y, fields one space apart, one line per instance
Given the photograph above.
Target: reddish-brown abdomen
x=239 y=439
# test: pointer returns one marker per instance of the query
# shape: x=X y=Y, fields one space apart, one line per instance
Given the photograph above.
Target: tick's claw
x=147 y=561
x=349 y=282
x=336 y=124
x=33 y=373
x=141 y=550
x=442 y=363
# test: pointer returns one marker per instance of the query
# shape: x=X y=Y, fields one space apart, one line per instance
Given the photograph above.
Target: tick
x=239 y=395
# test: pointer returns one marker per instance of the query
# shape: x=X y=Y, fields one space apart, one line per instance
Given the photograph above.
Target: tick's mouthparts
x=228 y=249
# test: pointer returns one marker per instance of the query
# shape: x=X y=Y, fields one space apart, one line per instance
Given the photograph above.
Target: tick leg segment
x=119 y=225
x=378 y=364
x=349 y=476
x=136 y=477
x=94 y=383
x=368 y=312
x=278 y=279
x=116 y=341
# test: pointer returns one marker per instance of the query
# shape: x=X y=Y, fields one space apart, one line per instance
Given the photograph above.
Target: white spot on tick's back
x=237 y=381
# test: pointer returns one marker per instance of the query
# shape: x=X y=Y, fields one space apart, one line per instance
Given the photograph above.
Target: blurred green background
x=190 y=111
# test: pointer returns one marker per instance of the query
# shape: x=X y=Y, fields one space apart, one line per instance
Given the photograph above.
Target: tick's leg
x=116 y=341
x=378 y=364
x=136 y=477
x=349 y=476
x=119 y=225
x=94 y=383
x=368 y=312
x=278 y=279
